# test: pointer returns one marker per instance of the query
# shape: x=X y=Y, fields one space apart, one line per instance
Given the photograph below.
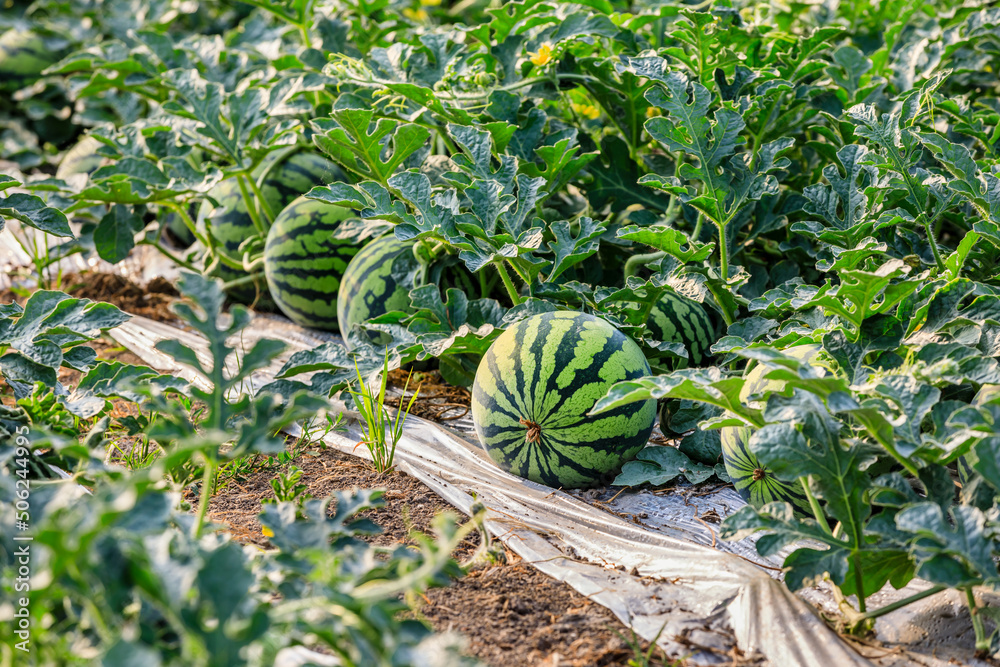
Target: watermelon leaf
x=358 y=142
x=659 y=465
x=114 y=237
x=707 y=385
x=38 y=339
x=615 y=180
x=454 y=326
x=32 y=211
x=671 y=241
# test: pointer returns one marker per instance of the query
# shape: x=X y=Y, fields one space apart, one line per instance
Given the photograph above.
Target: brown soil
x=512 y=614
x=151 y=301
x=436 y=400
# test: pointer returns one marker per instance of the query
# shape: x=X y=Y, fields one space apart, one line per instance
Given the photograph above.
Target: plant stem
x=635 y=262
x=182 y=213
x=206 y=493
x=899 y=604
x=723 y=251
x=483 y=287
x=814 y=505
x=265 y=206
x=171 y=256
x=859 y=582
x=982 y=640
x=697 y=227
x=242 y=280
x=248 y=201
x=508 y=283
x=932 y=240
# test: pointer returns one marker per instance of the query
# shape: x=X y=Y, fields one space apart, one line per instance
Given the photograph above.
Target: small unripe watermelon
x=304 y=262
x=535 y=388
x=377 y=281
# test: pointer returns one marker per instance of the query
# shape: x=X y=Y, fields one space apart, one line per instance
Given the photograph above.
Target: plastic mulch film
x=652 y=558
x=142 y=265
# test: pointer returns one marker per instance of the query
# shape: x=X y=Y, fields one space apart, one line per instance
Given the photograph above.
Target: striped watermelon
x=304 y=262
x=677 y=319
x=535 y=388
x=231 y=225
x=377 y=281
x=23 y=56
x=296 y=175
x=754 y=482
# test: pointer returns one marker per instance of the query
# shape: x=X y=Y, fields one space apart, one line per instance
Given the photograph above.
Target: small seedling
x=287 y=488
x=641 y=658
x=380 y=430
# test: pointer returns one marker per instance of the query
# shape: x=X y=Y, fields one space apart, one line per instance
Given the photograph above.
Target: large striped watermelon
x=677 y=319
x=23 y=56
x=304 y=262
x=535 y=388
x=377 y=281
x=230 y=223
x=755 y=482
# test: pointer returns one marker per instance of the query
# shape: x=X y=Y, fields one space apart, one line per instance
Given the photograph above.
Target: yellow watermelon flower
x=430 y=3
x=418 y=15
x=651 y=112
x=266 y=532
x=586 y=110
x=543 y=55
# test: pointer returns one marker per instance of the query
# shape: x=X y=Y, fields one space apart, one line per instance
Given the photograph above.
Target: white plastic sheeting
x=649 y=557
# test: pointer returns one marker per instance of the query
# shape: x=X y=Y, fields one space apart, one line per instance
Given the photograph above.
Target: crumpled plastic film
x=142 y=265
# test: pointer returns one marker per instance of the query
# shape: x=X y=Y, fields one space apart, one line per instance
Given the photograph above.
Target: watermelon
x=756 y=483
x=304 y=262
x=23 y=56
x=377 y=281
x=231 y=225
x=296 y=175
x=533 y=392
x=677 y=319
